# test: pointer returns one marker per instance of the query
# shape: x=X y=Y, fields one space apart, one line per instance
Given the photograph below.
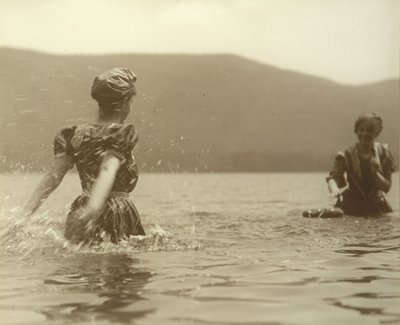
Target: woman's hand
x=374 y=164
x=336 y=194
x=82 y=229
x=334 y=191
x=88 y=218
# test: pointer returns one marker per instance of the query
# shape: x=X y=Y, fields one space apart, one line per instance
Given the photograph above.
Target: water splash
x=41 y=234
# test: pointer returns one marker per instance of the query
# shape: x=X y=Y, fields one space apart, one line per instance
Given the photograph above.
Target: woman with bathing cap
x=369 y=166
x=102 y=153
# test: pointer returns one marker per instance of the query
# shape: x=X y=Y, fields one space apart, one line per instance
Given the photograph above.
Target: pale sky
x=348 y=41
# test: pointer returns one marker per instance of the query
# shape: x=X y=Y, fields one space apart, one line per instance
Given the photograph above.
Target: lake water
x=220 y=249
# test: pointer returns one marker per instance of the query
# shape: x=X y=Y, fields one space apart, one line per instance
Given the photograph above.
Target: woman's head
x=113 y=90
x=367 y=127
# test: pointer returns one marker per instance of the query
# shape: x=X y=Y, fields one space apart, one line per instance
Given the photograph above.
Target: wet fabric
x=113 y=85
x=86 y=145
x=362 y=196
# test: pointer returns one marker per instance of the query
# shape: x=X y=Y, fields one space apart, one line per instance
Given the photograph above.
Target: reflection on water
x=363 y=249
x=112 y=278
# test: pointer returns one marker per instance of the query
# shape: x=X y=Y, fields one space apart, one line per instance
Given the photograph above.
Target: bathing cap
x=113 y=85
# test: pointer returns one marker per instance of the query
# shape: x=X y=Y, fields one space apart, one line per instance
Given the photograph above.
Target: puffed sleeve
x=62 y=142
x=387 y=162
x=338 y=170
x=121 y=142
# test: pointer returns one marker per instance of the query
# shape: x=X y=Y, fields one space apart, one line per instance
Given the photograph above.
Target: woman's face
x=366 y=132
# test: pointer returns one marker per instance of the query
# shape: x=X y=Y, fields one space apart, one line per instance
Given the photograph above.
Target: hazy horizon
x=353 y=42
x=197 y=54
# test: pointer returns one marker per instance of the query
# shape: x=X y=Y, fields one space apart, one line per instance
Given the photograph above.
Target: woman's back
x=102 y=153
x=88 y=143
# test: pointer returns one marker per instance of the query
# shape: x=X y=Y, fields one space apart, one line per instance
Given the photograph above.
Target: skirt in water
x=119 y=219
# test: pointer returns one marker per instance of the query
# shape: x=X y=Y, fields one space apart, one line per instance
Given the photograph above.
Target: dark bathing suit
x=86 y=145
x=362 y=197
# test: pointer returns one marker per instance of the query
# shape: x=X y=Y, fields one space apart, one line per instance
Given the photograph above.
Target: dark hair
x=369 y=117
x=109 y=108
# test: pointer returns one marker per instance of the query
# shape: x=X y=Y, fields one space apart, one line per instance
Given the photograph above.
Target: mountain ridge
x=193 y=112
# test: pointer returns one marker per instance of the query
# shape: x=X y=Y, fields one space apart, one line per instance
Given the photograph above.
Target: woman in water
x=369 y=166
x=102 y=153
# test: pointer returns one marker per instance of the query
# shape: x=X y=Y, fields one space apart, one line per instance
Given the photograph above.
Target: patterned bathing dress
x=362 y=196
x=86 y=145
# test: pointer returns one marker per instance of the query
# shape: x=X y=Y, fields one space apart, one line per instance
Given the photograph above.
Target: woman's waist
x=124 y=181
x=365 y=192
x=112 y=194
x=117 y=194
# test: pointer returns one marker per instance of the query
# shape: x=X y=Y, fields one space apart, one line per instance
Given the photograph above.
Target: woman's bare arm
x=49 y=183
x=334 y=189
x=103 y=184
x=382 y=180
x=384 y=183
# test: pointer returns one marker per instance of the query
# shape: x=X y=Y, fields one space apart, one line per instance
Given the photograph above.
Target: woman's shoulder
x=72 y=137
x=117 y=130
x=65 y=133
x=76 y=134
x=123 y=135
x=345 y=151
x=382 y=148
x=350 y=148
x=62 y=140
x=117 y=127
x=386 y=157
x=65 y=130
